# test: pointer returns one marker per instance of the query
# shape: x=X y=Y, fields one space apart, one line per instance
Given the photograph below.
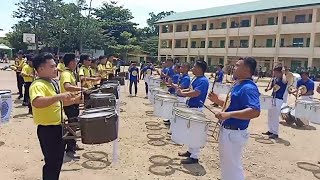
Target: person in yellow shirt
x=18 y=64
x=102 y=69
x=68 y=83
x=28 y=75
x=60 y=65
x=84 y=72
x=94 y=72
x=109 y=67
x=46 y=101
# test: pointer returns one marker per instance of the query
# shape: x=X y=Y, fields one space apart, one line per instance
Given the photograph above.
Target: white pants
x=195 y=151
x=273 y=116
x=231 y=143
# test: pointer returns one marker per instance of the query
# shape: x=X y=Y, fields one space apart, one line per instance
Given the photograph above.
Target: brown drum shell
x=98 y=130
x=110 y=90
x=102 y=102
x=98 y=110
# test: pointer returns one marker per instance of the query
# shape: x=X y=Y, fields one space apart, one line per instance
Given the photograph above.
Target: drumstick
x=214 y=82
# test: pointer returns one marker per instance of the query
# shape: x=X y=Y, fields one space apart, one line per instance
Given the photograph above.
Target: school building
x=272 y=31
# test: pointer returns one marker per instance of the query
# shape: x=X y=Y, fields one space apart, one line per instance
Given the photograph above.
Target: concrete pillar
x=312 y=37
x=227 y=42
x=253 y=20
x=173 y=40
x=278 y=40
x=189 y=42
x=159 y=43
x=207 y=41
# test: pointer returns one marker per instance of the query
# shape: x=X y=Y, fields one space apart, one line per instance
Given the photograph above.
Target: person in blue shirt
x=184 y=80
x=146 y=72
x=174 y=80
x=241 y=105
x=168 y=72
x=219 y=73
x=279 y=86
x=134 y=78
x=308 y=83
x=197 y=94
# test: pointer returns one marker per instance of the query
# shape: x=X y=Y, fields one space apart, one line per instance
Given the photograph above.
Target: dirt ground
x=146 y=151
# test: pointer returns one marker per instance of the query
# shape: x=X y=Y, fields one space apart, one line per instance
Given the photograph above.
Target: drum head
x=187 y=110
x=5 y=92
x=165 y=96
x=96 y=115
x=95 y=110
x=101 y=95
x=193 y=117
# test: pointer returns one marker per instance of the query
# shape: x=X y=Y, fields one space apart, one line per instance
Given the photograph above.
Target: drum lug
x=189 y=123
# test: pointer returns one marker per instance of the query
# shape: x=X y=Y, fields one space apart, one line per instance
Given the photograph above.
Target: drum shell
x=121 y=80
x=155 y=91
x=99 y=130
x=303 y=109
x=314 y=114
x=222 y=88
x=102 y=102
x=266 y=102
x=110 y=89
x=189 y=132
x=5 y=105
x=163 y=107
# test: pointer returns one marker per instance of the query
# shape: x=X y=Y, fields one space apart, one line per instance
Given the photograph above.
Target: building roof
x=250 y=7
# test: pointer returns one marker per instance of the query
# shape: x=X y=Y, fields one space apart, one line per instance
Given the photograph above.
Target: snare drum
x=155 y=91
x=102 y=100
x=266 y=102
x=110 y=88
x=299 y=122
x=190 y=129
x=5 y=105
x=98 y=128
x=163 y=105
x=222 y=88
x=303 y=108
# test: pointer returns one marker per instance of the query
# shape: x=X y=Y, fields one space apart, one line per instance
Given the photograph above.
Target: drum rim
x=176 y=110
x=100 y=108
x=190 y=117
x=112 y=113
x=166 y=99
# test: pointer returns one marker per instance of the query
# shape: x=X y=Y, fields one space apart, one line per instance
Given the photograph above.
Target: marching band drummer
x=60 y=65
x=174 y=80
x=84 y=72
x=242 y=105
x=102 y=69
x=94 y=71
x=46 y=102
x=28 y=75
x=168 y=72
x=279 y=86
x=197 y=94
x=184 y=80
x=308 y=83
x=109 y=67
x=68 y=83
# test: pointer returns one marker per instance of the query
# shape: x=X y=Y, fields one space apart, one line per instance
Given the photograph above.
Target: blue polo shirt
x=175 y=80
x=169 y=71
x=309 y=84
x=283 y=86
x=184 y=81
x=243 y=95
x=200 y=84
x=220 y=75
x=147 y=69
x=132 y=71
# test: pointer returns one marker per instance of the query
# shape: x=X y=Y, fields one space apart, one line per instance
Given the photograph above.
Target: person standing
x=197 y=94
x=68 y=83
x=118 y=67
x=220 y=74
x=60 y=65
x=84 y=72
x=279 y=86
x=146 y=72
x=109 y=67
x=102 y=69
x=28 y=75
x=184 y=80
x=18 y=64
x=46 y=102
x=134 y=78
x=308 y=83
x=241 y=105
x=174 y=80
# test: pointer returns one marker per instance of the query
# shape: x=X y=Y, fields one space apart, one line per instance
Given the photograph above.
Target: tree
x=153 y=29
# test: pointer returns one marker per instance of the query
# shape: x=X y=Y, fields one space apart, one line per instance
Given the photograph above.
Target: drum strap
x=56 y=87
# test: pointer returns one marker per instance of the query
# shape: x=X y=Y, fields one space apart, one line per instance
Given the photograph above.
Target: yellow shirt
x=101 y=69
x=67 y=76
x=28 y=71
x=109 y=66
x=50 y=115
x=19 y=64
x=93 y=72
x=86 y=72
x=61 y=66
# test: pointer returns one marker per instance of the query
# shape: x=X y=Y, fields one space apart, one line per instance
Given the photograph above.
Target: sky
x=139 y=8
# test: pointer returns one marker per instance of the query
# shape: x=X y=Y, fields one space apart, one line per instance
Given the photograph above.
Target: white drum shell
x=189 y=132
x=303 y=109
x=163 y=107
x=222 y=88
x=156 y=91
x=314 y=114
x=266 y=102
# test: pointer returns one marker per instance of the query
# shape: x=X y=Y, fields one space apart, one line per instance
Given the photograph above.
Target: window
x=310 y=18
x=221 y=61
x=179 y=28
x=271 y=21
x=295 y=64
x=244 y=43
x=193 y=44
x=269 y=43
x=282 y=43
x=192 y=59
x=231 y=43
x=141 y=59
x=203 y=27
x=297 y=42
x=223 y=25
x=210 y=44
x=211 y=26
x=178 y=43
x=186 y=44
x=245 y=23
x=300 y=18
x=308 y=42
x=284 y=20
x=254 y=42
x=234 y=24
x=209 y=62
x=165 y=29
x=194 y=28
x=203 y=44
x=222 y=44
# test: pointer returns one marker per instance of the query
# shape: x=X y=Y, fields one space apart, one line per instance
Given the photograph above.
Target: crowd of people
x=49 y=100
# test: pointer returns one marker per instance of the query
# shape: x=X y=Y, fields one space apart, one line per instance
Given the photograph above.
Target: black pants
x=50 y=138
x=117 y=72
x=26 y=98
x=19 y=83
x=146 y=88
x=135 y=87
x=71 y=112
